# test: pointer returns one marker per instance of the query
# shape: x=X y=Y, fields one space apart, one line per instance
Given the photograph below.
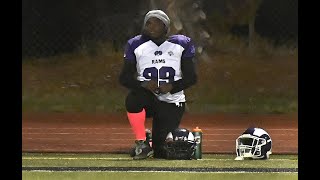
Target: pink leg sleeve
x=137 y=121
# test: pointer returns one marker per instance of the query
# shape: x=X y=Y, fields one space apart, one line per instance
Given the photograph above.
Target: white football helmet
x=254 y=143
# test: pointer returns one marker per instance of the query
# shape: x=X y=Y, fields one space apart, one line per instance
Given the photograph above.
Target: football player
x=157 y=69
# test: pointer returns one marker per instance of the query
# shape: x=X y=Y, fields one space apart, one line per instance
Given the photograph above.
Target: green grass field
x=155 y=176
x=121 y=166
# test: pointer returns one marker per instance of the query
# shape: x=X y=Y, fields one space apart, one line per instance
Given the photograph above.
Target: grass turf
x=155 y=176
x=123 y=160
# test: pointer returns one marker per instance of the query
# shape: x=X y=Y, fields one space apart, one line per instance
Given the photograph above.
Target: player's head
x=254 y=143
x=156 y=24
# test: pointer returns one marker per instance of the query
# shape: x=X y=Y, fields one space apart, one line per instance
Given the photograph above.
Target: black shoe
x=132 y=151
x=142 y=150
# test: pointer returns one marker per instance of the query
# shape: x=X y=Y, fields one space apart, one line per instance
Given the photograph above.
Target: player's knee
x=134 y=102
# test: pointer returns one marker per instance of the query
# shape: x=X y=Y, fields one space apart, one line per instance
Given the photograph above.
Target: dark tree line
x=51 y=27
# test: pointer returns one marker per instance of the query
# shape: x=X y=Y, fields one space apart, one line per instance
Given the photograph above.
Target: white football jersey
x=161 y=63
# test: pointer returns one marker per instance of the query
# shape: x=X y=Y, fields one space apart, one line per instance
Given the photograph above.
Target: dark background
x=53 y=27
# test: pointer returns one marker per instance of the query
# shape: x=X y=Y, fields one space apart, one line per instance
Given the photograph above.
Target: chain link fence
x=53 y=27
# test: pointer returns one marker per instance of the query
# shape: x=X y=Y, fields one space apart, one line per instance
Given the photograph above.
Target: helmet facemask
x=179 y=149
x=180 y=144
x=249 y=146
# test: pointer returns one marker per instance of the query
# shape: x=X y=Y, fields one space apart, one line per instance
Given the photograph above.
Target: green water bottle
x=197 y=132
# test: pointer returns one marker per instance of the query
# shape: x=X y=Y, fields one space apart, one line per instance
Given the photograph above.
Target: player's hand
x=165 y=88
x=151 y=85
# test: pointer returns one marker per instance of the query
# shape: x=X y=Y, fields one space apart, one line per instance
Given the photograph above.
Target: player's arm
x=127 y=78
x=127 y=74
x=189 y=75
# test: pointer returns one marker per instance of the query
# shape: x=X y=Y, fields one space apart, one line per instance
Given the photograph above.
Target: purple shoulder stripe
x=186 y=43
x=131 y=45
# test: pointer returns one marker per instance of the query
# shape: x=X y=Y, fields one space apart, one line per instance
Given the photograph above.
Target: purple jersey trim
x=186 y=43
x=132 y=44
